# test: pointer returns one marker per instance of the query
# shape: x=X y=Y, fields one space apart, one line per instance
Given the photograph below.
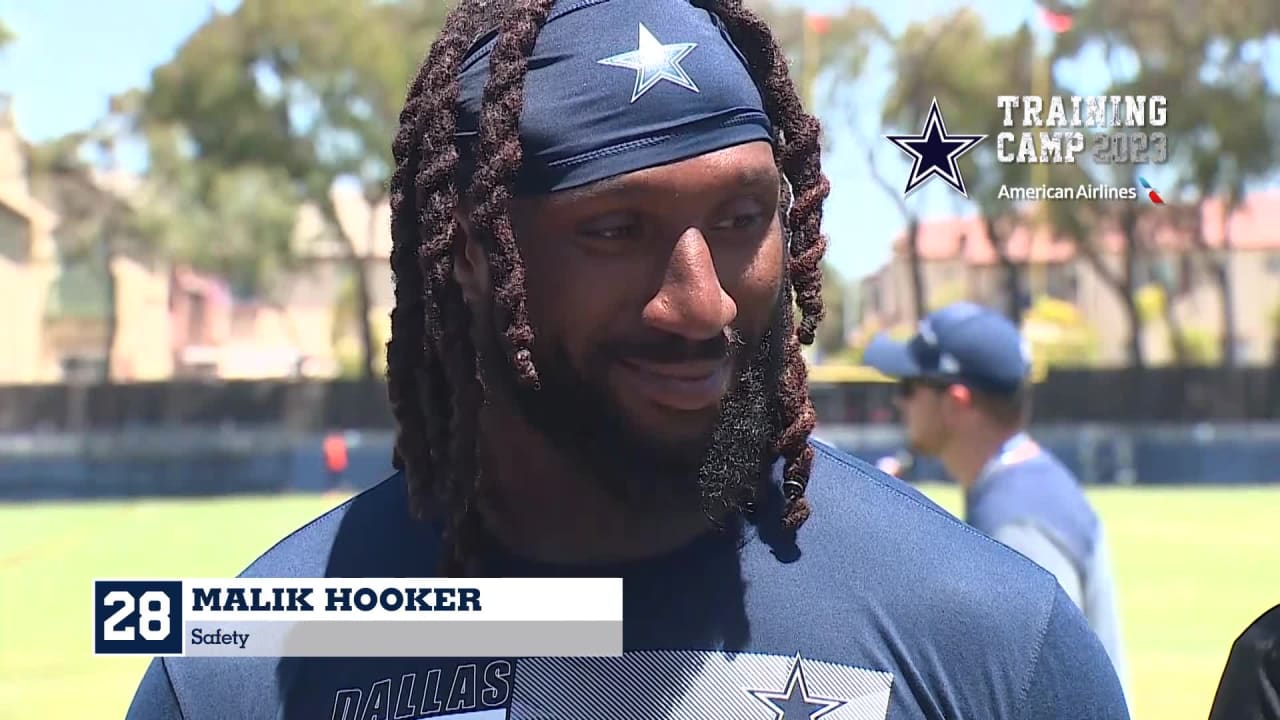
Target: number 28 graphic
x=137 y=617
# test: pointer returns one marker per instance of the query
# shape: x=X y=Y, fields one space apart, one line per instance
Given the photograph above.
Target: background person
x=335 y=460
x=965 y=399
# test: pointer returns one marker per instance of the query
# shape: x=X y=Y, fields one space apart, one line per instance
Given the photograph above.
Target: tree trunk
x=1014 y=304
x=108 y=229
x=917 y=268
x=362 y=287
x=1219 y=264
x=110 y=320
x=913 y=255
x=1136 y=357
x=1122 y=283
x=1222 y=275
x=1172 y=289
x=1177 y=339
x=364 y=304
x=1129 y=228
x=919 y=291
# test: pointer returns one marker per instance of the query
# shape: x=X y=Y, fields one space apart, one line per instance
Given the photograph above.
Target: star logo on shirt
x=653 y=63
x=795 y=702
x=934 y=153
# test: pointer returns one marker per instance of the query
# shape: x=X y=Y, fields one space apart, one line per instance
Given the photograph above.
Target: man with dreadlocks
x=603 y=214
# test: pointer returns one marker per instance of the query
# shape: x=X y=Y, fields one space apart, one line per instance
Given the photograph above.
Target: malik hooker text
x=1078 y=192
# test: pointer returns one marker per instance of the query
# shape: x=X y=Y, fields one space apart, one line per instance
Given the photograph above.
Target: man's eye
x=740 y=221
x=611 y=226
x=612 y=232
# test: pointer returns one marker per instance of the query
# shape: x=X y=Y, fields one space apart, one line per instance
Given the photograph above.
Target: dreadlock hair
x=432 y=366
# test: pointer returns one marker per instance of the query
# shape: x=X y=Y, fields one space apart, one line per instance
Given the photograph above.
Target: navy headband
x=616 y=86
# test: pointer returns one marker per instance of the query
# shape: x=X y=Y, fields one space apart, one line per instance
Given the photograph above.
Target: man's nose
x=691 y=302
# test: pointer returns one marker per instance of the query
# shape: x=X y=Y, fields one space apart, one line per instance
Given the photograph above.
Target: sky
x=70 y=56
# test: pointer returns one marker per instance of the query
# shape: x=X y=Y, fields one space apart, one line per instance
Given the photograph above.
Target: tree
x=96 y=224
x=911 y=238
x=911 y=57
x=1091 y=224
x=308 y=90
x=237 y=224
x=837 y=47
x=954 y=60
x=834 y=46
x=1222 y=129
x=831 y=335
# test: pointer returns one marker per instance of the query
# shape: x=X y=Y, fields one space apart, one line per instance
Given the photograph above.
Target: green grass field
x=1195 y=566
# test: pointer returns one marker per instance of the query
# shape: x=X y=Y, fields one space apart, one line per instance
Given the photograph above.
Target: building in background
x=958 y=261
x=109 y=297
x=316 y=303
x=167 y=320
x=27 y=260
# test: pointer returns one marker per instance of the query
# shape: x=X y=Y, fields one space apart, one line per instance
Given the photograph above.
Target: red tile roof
x=1255 y=225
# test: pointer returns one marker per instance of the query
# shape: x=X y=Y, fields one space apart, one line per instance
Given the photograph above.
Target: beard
x=576 y=412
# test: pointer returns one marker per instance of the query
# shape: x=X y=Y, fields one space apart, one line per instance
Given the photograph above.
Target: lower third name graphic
x=337 y=599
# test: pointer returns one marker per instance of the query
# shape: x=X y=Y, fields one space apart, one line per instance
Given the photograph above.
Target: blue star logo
x=934 y=153
x=653 y=63
x=795 y=702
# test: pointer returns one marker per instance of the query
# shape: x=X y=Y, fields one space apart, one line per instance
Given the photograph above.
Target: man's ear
x=470 y=262
x=961 y=395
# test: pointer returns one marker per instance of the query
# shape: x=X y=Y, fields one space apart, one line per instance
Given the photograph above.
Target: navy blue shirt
x=884 y=607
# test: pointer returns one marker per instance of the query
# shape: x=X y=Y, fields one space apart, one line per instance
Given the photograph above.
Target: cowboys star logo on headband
x=653 y=63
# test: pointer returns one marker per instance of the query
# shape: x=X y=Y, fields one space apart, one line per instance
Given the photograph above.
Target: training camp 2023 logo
x=1104 y=130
